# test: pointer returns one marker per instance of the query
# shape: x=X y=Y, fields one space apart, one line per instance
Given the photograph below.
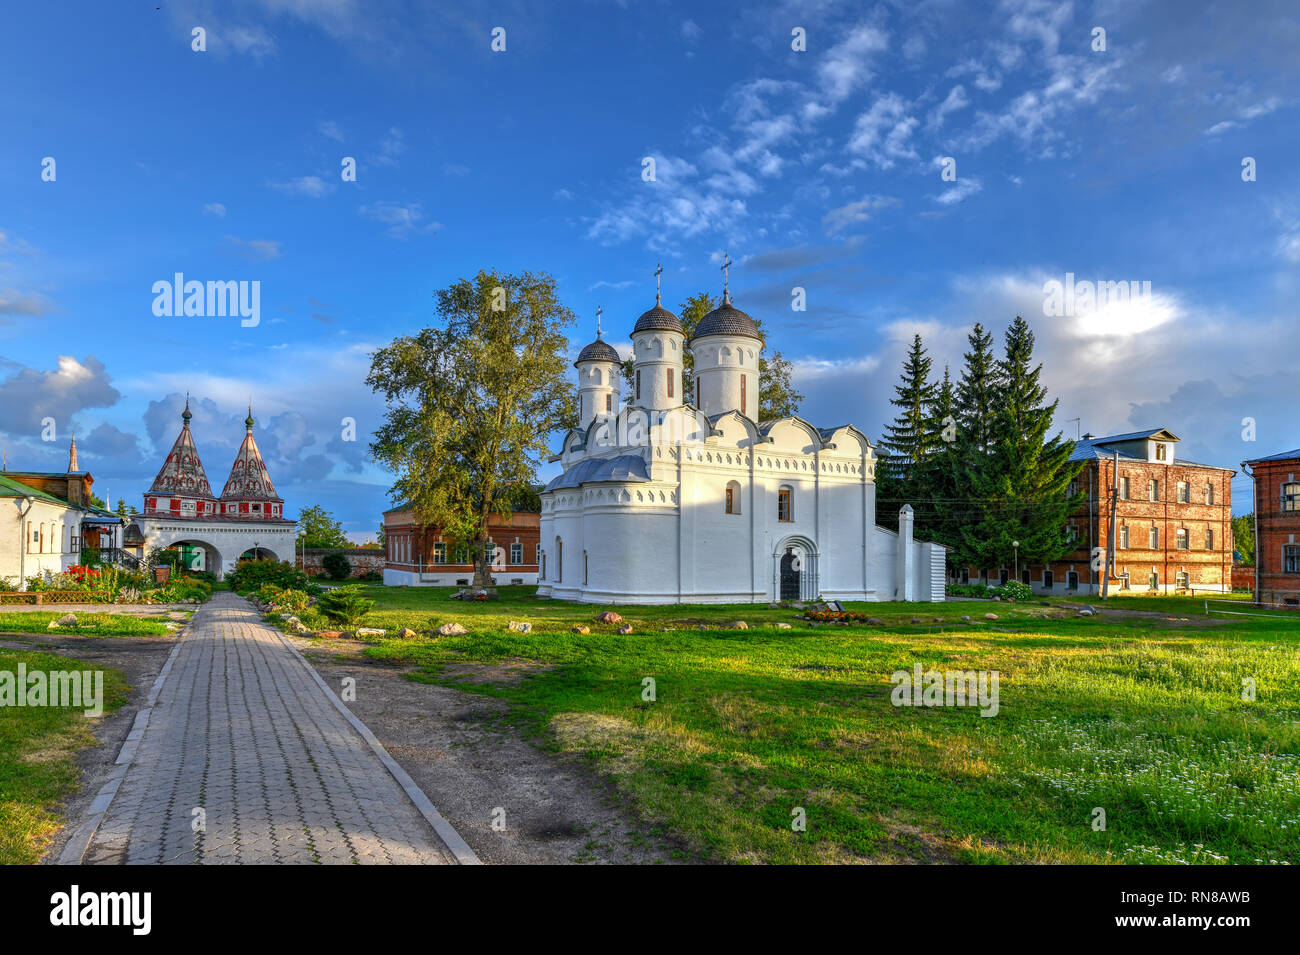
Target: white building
x=213 y=533
x=664 y=502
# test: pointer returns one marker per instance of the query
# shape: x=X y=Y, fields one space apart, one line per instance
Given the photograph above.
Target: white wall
x=21 y=558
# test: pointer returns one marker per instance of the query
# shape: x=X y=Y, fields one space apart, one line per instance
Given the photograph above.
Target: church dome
x=726 y=319
x=599 y=350
x=658 y=319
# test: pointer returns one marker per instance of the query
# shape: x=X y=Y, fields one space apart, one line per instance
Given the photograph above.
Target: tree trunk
x=481 y=578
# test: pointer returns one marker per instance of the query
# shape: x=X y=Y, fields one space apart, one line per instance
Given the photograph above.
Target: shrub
x=295 y=601
x=344 y=605
x=249 y=575
x=967 y=590
x=1014 y=590
x=336 y=565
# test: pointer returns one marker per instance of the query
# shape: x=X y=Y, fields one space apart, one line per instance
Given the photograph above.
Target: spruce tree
x=1024 y=487
x=940 y=468
x=907 y=442
x=977 y=398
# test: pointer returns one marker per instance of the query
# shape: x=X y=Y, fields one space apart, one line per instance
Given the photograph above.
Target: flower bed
x=835 y=616
x=57 y=597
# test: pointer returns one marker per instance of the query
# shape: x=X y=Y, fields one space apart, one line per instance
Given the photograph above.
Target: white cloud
x=258 y=250
x=330 y=129
x=959 y=192
x=882 y=134
x=403 y=219
x=215 y=209
x=312 y=186
x=854 y=213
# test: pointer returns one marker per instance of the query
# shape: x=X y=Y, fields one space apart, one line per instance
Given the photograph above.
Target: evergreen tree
x=907 y=442
x=941 y=466
x=1023 y=484
x=977 y=396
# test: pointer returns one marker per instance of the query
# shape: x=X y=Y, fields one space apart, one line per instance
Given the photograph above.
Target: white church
x=665 y=502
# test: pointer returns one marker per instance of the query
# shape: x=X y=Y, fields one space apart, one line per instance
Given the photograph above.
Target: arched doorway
x=795 y=570
x=195 y=556
x=258 y=553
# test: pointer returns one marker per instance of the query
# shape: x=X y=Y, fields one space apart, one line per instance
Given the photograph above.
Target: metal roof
x=1280 y=456
x=625 y=467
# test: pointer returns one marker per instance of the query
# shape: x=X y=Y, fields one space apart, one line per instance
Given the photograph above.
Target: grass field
x=1140 y=715
x=88 y=624
x=38 y=750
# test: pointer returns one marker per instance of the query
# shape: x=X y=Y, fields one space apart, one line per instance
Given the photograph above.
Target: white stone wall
x=597 y=381
x=20 y=558
x=411 y=578
x=655 y=353
x=721 y=362
x=223 y=541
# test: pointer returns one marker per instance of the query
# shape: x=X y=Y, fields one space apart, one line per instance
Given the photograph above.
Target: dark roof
x=625 y=467
x=1280 y=456
x=1103 y=449
x=12 y=488
x=726 y=319
x=658 y=319
x=599 y=350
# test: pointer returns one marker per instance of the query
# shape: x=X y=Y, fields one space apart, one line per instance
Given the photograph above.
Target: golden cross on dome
x=726 y=263
x=599 y=312
x=659 y=270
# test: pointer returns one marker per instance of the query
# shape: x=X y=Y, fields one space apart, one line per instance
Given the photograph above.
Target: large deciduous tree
x=471 y=403
x=317 y=528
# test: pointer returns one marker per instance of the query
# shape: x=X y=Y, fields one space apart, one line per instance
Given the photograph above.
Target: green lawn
x=88 y=624
x=38 y=750
x=1140 y=716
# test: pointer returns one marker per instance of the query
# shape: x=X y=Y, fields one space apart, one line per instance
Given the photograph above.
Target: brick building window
x=1184 y=493
x=1123 y=537
x=783 y=510
x=1123 y=489
x=1154 y=580
x=1049 y=580
x=1072 y=581
x=1182 y=580
x=516 y=553
x=1209 y=538
x=440 y=553
x=1209 y=494
x=1155 y=538
x=1181 y=538
x=1161 y=451
x=1153 y=490
x=1291 y=497
x=1291 y=559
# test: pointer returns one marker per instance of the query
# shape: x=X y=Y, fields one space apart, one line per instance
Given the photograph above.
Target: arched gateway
x=180 y=509
x=796 y=571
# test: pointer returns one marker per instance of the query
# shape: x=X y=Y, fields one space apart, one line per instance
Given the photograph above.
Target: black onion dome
x=726 y=319
x=599 y=350
x=658 y=319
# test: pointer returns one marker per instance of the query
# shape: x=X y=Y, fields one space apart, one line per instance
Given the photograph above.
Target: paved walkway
x=242 y=731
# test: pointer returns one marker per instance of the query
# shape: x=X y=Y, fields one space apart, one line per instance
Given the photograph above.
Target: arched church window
x=609 y=402
x=584 y=568
x=784 y=504
x=559 y=560
x=638 y=384
x=733 y=497
x=743 y=403
x=670 y=382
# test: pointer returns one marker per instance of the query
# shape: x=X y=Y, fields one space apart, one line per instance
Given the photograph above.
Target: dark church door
x=789 y=577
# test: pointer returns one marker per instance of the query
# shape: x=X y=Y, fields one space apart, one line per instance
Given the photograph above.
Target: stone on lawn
x=406 y=633
x=334 y=634
x=783 y=626
x=451 y=630
x=740 y=625
x=609 y=617
x=916 y=620
x=370 y=632
x=67 y=620
x=990 y=616
x=626 y=628
x=1086 y=612
x=966 y=618
x=875 y=622
x=579 y=628
x=521 y=626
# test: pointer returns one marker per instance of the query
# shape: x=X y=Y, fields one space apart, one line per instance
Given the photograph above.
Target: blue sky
x=818 y=169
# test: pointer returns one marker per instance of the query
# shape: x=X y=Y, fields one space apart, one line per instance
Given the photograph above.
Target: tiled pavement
x=242 y=731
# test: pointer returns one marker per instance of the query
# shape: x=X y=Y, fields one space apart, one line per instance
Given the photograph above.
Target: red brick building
x=1173 y=522
x=421 y=557
x=1277 y=527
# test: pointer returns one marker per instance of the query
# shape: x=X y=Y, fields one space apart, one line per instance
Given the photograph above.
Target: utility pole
x=1110 y=537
